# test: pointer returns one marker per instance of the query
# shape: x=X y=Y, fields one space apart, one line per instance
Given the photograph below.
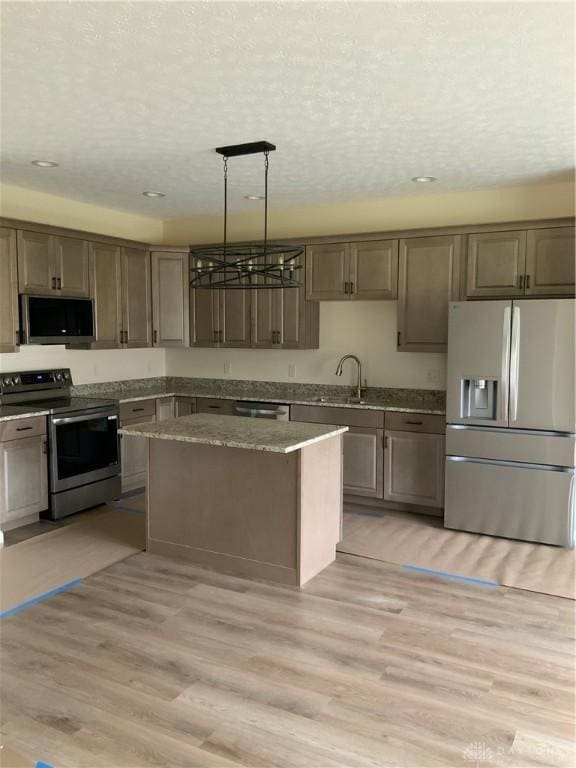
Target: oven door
x=84 y=448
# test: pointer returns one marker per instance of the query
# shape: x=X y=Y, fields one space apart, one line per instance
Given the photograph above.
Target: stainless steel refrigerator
x=510 y=435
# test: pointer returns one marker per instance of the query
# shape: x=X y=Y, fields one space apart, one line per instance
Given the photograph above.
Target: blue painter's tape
x=17 y=608
x=454 y=576
x=40 y=764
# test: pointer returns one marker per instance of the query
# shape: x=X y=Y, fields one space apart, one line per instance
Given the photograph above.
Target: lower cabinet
x=135 y=449
x=23 y=472
x=184 y=406
x=165 y=408
x=215 y=405
x=414 y=460
x=363 y=465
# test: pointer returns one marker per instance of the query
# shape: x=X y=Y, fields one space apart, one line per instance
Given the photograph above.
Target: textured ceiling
x=358 y=96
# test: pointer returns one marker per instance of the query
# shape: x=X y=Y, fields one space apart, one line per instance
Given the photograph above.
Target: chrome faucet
x=359 y=365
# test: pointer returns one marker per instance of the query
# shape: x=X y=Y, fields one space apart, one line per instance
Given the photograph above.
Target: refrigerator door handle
x=513 y=464
x=505 y=366
x=514 y=363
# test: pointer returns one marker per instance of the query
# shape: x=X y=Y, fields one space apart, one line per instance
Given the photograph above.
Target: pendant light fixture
x=247 y=265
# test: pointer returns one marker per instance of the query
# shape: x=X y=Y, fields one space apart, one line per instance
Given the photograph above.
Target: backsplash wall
x=364 y=328
x=88 y=366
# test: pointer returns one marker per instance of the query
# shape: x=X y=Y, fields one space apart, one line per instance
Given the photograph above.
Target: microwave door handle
x=514 y=363
x=505 y=366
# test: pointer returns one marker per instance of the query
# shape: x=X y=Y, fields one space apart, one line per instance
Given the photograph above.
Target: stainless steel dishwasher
x=278 y=411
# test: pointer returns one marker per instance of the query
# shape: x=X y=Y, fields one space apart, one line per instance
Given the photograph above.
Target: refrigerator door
x=479 y=362
x=542 y=382
x=530 y=502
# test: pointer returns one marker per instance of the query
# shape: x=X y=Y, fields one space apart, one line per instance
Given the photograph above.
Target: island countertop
x=236 y=432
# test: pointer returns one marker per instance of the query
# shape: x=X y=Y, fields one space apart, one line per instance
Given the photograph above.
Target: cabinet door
x=134 y=457
x=429 y=278
x=165 y=408
x=9 y=319
x=23 y=480
x=136 y=298
x=550 y=261
x=414 y=468
x=363 y=465
x=495 y=264
x=267 y=317
x=215 y=405
x=185 y=406
x=235 y=316
x=105 y=277
x=374 y=269
x=71 y=267
x=170 y=299
x=328 y=271
x=36 y=272
x=204 y=317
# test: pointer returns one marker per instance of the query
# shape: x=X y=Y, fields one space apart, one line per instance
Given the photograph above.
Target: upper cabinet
x=121 y=288
x=220 y=317
x=362 y=270
x=136 y=297
x=550 y=259
x=495 y=265
x=170 y=299
x=282 y=318
x=9 y=322
x=52 y=265
x=536 y=262
x=429 y=278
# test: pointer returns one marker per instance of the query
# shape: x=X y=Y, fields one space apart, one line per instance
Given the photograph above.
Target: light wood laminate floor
x=156 y=662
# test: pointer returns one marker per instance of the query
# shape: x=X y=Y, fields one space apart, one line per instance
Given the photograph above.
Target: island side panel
x=229 y=508
x=321 y=503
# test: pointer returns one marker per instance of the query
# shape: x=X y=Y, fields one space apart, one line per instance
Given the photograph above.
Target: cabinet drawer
x=137 y=410
x=19 y=428
x=214 y=405
x=415 y=422
x=346 y=417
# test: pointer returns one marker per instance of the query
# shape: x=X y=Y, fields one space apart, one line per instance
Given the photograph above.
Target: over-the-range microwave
x=56 y=320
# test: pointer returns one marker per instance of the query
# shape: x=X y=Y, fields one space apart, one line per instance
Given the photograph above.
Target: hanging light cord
x=265 y=203
x=225 y=200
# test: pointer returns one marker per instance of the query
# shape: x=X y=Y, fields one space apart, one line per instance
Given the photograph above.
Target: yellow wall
x=497 y=204
x=28 y=205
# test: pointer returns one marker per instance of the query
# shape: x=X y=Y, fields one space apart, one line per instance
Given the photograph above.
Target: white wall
x=89 y=366
x=364 y=328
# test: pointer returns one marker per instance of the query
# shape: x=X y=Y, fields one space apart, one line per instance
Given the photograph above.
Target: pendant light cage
x=246 y=265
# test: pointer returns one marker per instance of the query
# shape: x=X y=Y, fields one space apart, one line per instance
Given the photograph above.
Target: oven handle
x=110 y=415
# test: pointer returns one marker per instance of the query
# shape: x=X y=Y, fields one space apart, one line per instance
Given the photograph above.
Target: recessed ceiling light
x=153 y=194
x=254 y=197
x=44 y=163
x=424 y=179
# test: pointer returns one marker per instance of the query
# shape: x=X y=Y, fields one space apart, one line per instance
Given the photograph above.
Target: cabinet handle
x=53 y=283
x=221 y=336
x=520 y=280
x=351 y=288
x=135 y=410
x=22 y=429
x=527 y=282
x=155 y=337
x=214 y=407
x=399 y=337
x=346 y=288
x=59 y=281
x=45 y=447
x=414 y=423
x=17 y=337
x=386 y=441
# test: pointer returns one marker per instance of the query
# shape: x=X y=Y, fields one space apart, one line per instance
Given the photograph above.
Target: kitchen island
x=254 y=497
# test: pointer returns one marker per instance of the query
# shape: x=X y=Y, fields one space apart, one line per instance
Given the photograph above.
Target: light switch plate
x=433 y=376
x=291 y=370
x=227 y=367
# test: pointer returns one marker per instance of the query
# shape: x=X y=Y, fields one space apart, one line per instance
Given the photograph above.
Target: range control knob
x=58 y=377
x=66 y=375
x=8 y=381
x=17 y=380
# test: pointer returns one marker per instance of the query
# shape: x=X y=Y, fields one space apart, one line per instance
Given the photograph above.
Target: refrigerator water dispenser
x=479 y=399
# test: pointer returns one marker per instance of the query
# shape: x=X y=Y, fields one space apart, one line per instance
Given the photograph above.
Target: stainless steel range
x=83 y=441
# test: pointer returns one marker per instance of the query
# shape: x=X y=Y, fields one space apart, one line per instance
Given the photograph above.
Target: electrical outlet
x=227 y=367
x=433 y=376
x=291 y=370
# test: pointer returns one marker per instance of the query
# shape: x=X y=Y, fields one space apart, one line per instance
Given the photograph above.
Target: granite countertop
x=379 y=399
x=10 y=412
x=237 y=432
